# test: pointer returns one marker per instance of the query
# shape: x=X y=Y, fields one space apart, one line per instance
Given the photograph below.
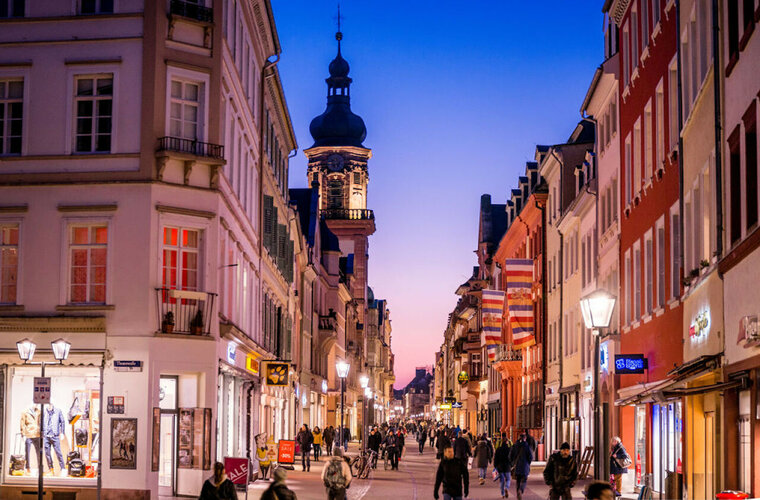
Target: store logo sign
x=277 y=374
x=324 y=386
x=251 y=364
x=630 y=363
x=604 y=357
x=700 y=326
x=749 y=331
x=231 y=353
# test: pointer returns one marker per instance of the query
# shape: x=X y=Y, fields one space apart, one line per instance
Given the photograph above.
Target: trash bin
x=728 y=494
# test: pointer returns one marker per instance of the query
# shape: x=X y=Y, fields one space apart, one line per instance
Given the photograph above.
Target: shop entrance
x=167 y=470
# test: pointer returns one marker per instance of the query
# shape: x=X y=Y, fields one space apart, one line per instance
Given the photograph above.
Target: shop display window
x=70 y=425
x=640 y=460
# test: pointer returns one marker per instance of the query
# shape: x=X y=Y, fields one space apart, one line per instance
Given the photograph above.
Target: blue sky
x=455 y=96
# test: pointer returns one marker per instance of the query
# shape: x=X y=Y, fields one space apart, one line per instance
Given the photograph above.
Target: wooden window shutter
x=281 y=249
x=273 y=243
x=268 y=206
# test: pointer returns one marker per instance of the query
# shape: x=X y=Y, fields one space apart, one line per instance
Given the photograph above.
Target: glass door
x=167 y=468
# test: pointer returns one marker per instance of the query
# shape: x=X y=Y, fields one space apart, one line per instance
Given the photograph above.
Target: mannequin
x=30 y=429
x=52 y=428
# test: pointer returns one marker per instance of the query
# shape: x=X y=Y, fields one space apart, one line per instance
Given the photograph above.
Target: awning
x=743 y=382
x=641 y=393
x=76 y=358
x=572 y=388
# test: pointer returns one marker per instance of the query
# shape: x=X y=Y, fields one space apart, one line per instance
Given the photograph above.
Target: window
x=649 y=270
x=8 y=263
x=634 y=39
x=628 y=172
x=644 y=24
x=94 y=107
x=636 y=281
x=96 y=7
x=675 y=252
x=750 y=165
x=180 y=258
x=660 y=271
x=88 y=247
x=11 y=115
x=12 y=8
x=627 y=289
x=185 y=110
x=733 y=29
x=637 y=157
x=655 y=12
x=648 y=153
x=673 y=105
x=626 y=56
x=659 y=126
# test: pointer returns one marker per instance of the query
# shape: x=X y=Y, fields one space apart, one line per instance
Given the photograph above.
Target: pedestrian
x=432 y=435
x=305 y=439
x=278 y=490
x=392 y=448
x=346 y=438
x=483 y=457
x=317 y=434
x=441 y=442
x=401 y=444
x=218 y=486
x=373 y=443
x=503 y=465
x=422 y=437
x=462 y=449
x=532 y=444
x=452 y=473
x=599 y=490
x=336 y=476
x=327 y=436
x=560 y=473
x=521 y=456
x=620 y=460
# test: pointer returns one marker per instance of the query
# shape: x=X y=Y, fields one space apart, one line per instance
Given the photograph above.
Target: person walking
x=401 y=444
x=421 y=438
x=218 y=486
x=317 y=435
x=336 y=476
x=328 y=435
x=441 y=442
x=373 y=443
x=452 y=473
x=521 y=456
x=503 y=465
x=462 y=449
x=432 y=436
x=599 y=490
x=278 y=490
x=483 y=457
x=305 y=439
x=620 y=460
x=346 y=438
x=560 y=473
x=392 y=448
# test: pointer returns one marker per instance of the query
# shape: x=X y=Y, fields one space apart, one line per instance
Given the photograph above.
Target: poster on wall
x=123 y=443
x=185 y=445
x=207 y=439
x=156 y=439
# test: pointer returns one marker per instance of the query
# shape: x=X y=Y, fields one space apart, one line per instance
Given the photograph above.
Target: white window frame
x=660 y=264
x=628 y=289
x=76 y=71
x=628 y=152
x=204 y=246
x=18 y=222
x=660 y=125
x=94 y=99
x=626 y=55
x=637 y=284
x=19 y=74
x=675 y=271
x=97 y=8
x=180 y=249
x=649 y=268
x=66 y=224
x=648 y=125
x=637 y=157
x=203 y=79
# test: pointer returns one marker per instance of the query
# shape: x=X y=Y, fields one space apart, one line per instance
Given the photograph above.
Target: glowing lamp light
x=368 y=392
x=342 y=368
x=60 y=349
x=26 y=349
x=364 y=381
x=597 y=309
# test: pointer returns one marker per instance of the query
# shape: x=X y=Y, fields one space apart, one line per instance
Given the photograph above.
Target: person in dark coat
x=305 y=439
x=328 y=435
x=560 y=473
x=401 y=444
x=453 y=474
x=218 y=486
x=503 y=465
x=619 y=458
x=521 y=456
x=392 y=448
x=346 y=438
x=278 y=490
x=483 y=457
x=421 y=438
x=441 y=442
x=433 y=434
x=462 y=449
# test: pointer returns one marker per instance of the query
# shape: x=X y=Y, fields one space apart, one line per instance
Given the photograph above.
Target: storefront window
x=745 y=445
x=641 y=444
x=69 y=430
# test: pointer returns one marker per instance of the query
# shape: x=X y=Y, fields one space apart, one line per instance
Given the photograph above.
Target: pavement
x=414 y=480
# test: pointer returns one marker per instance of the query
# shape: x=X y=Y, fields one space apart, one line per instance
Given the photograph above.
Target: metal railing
x=191 y=146
x=348 y=214
x=328 y=323
x=184 y=311
x=507 y=352
x=192 y=11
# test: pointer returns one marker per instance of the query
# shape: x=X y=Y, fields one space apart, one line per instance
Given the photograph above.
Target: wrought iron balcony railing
x=348 y=214
x=191 y=146
x=192 y=11
x=507 y=352
x=184 y=311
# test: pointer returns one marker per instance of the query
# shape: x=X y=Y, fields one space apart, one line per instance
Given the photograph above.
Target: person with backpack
x=560 y=473
x=620 y=460
x=218 y=486
x=278 y=490
x=453 y=474
x=503 y=465
x=441 y=442
x=483 y=456
x=462 y=448
x=521 y=456
x=336 y=476
x=305 y=440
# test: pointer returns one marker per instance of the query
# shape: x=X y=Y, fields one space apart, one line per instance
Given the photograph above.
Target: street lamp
x=342 y=368
x=364 y=382
x=597 y=310
x=26 y=349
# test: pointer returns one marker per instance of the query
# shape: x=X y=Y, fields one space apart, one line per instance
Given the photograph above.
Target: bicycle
x=363 y=464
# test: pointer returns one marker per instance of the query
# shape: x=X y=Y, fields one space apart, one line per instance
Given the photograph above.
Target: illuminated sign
x=251 y=364
x=458 y=404
x=463 y=377
x=700 y=326
x=445 y=406
x=324 y=386
x=604 y=357
x=450 y=400
x=630 y=363
x=231 y=353
x=277 y=374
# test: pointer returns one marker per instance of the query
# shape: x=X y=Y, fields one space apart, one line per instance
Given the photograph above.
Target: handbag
x=470 y=460
x=495 y=474
x=77 y=468
x=72 y=455
x=80 y=437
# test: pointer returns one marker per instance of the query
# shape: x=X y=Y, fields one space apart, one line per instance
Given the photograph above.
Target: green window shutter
x=273 y=244
x=289 y=262
x=282 y=236
x=268 y=206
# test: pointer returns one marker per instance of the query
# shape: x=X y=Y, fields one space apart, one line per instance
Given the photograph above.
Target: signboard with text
x=236 y=469
x=286 y=453
x=630 y=363
x=41 y=390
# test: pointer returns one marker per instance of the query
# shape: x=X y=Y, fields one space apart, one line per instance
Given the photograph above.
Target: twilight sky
x=455 y=100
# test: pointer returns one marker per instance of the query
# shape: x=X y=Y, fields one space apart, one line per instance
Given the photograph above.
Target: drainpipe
x=680 y=143
x=544 y=306
x=718 y=133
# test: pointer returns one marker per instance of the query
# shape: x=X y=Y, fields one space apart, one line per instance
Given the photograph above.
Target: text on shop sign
x=630 y=363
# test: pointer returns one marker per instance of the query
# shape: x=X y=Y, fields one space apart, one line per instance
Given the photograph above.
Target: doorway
x=167 y=470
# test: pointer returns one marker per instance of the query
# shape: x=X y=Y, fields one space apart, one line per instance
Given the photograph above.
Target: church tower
x=338 y=162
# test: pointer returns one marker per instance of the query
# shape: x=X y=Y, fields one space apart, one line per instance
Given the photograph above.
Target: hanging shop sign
x=251 y=364
x=458 y=404
x=127 y=366
x=604 y=357
x=700 y=326
x=445 y=406
x=630 y=363
x=463 y=377
x=450 y=400
x=324 y=386
x=277 y=374
x=231 y=353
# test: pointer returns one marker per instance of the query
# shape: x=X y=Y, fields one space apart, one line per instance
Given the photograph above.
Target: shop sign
x=277 y=374
x=445 y=406
x=450 y=400
x=127 y=366
x=236 y=469
x=458 y=404
x=463 y=377
x=251 y=364
x=231 y=353
x=630 y=363
x=700 y=326
x=287 y=452
x=749 y=331
x=41 y=390
x=324 y=386
x=604 y=357
x=115 y=405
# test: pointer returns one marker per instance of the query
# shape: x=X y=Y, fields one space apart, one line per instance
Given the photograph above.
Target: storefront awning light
x=60 y=349
x=342 y=368
x=597 y=309
x=26 y=349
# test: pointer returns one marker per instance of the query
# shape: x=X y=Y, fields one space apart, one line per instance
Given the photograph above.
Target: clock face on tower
x=335 y=163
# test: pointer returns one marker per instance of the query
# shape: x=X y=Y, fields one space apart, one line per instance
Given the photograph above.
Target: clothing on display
x=30 y=430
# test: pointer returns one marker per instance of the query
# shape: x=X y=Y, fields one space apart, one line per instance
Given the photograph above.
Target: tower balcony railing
x=348 y=214
x=507 y=352
x=191 y=146
x=192 y=11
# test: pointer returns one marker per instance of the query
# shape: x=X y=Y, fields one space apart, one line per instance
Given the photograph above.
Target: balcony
x=190 y=146
x=508 y=360
x=191 y=11
x=348 y=214
x=184 y=311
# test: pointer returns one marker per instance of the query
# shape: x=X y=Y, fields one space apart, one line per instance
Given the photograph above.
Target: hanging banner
x=493 y=312
x=491 y=350
x=519 y=278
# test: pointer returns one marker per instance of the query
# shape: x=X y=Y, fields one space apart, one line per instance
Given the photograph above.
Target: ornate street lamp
x=342 y=368
x=60 y=349
x=26 y=350
x=597 y=309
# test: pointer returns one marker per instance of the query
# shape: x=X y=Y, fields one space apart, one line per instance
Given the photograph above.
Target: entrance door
x=167 y=468
x=710 y=454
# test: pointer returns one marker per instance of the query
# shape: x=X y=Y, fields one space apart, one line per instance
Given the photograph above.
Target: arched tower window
x=335 y=193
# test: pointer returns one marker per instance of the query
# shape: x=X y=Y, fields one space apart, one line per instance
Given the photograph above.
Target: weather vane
x=338 y=35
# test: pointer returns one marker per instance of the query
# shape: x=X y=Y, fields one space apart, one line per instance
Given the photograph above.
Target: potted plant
x=703 y=263
x=196 y=324
x=167 y=325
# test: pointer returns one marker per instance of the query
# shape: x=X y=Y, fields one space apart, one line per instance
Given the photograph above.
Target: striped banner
x=493 y=312
x=519 y=279
x=491 y=350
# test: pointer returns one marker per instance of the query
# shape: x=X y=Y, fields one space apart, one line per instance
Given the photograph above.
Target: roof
x=330 y=242
x=306 y=203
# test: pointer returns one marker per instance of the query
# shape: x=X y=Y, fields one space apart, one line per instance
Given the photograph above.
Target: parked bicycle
x=361 y=465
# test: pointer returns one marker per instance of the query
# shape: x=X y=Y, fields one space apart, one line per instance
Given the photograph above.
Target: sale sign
x=236 y=469
x=287 y=452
